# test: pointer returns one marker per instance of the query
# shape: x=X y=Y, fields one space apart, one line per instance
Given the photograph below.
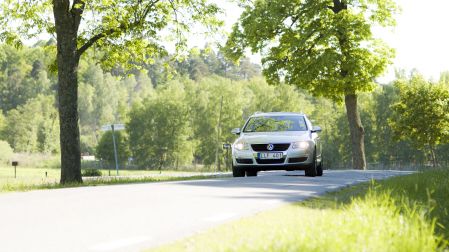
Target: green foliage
x=204 y=62
x=33 y=127
x=106 y=97
x=5 y=152
x=112 y=25
x=381 y=137
x=210 y=99
x=199 y=106
x=321 y=46
x=91 y=173
x=2 y=125
x=105 y=148
x=22 y=76
x=159 y=129
x=421 y=114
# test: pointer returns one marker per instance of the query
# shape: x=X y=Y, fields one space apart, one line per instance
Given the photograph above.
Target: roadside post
x=113 y=128
x=15 y=164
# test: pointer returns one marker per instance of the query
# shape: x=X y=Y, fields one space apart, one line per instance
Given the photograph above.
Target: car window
x=275 y=123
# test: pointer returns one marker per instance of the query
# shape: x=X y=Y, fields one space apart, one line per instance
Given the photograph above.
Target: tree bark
x=357 y=132
x=67 y=60
x=433 y=155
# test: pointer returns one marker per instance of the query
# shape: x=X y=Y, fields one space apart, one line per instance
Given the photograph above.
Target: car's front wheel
x=311 y=171
x=238 y=172
x=319 y=168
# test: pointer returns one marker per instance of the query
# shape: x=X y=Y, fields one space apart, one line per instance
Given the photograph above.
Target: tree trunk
x=357 y=132
x=433 y=156
x=67 y=61
x=355 y=124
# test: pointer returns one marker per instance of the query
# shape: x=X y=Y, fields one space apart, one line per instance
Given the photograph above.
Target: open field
x=48 y=178
x=408 y=213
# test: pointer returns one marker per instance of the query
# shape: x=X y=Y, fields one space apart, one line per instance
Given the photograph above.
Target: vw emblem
x=270 y=147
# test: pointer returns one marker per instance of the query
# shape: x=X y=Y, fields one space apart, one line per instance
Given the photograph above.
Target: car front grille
x=270 y=161
x=277 y=147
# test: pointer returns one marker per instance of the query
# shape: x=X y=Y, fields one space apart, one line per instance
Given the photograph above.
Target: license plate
x=270 y=155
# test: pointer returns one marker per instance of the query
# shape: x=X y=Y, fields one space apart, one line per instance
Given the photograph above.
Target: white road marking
x=120 y=243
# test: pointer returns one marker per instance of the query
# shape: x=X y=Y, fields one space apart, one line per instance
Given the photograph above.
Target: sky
x=421 y=37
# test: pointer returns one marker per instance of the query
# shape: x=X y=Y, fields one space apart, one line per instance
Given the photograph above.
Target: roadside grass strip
x=35 y=179
x=408 y=213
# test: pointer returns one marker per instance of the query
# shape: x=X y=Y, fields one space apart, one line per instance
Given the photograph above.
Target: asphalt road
x=138 y=216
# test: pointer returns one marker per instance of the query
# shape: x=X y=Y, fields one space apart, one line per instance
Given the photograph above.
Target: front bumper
x=292 y=159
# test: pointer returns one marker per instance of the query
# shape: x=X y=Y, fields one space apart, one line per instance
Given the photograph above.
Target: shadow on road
x=288 y=186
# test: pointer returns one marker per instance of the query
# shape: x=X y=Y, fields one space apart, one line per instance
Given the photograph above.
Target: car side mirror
x=316 y=129
x=236 y=131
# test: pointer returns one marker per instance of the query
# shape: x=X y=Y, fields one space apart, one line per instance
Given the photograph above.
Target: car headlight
x=241 y=145
x=301 y=145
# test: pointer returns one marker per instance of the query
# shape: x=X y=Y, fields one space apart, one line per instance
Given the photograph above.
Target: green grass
x=408 y=213
x=35 y=178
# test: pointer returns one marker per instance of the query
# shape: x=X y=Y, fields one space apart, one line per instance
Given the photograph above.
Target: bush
x=91 y=173
x=105 y=148
x=5 y=152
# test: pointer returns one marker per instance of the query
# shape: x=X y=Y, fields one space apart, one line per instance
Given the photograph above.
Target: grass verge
x=39 y=178
x=408 y=213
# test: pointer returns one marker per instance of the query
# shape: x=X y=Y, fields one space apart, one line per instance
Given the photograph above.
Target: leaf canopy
x=421 y=114
x=324 y=46
x=127 y=30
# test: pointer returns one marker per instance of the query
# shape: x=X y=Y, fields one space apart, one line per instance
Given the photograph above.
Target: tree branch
x=77 y=12
x=294 y=20
x=121 y=28
x=176 y=17
x=339 y=5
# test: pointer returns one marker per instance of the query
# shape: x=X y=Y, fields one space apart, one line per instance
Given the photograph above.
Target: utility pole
x=217 y=146
x=115 y=148
x=113 y=128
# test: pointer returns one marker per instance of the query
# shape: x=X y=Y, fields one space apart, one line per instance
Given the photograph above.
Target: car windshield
x=275 y=124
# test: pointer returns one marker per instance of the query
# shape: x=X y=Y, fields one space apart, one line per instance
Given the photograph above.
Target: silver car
x=277 y=141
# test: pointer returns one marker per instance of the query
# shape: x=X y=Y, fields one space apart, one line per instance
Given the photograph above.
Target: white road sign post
x=114 y=127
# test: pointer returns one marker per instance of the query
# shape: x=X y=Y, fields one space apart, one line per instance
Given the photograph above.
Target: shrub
x=5 y=152
x=91 y=173
x=105 y=148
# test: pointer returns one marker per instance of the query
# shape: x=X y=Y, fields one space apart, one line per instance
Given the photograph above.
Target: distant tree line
x=172 y=109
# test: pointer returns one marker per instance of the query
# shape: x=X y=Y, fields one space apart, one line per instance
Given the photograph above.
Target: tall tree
x=323 y=46
x=32 y=127
x=110 y=24
x=158 y=128
x=421 y=114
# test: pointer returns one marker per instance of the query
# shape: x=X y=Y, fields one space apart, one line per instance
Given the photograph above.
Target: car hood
x=275 y=137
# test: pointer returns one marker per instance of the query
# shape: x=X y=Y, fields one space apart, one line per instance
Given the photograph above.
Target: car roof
x=277 y=114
